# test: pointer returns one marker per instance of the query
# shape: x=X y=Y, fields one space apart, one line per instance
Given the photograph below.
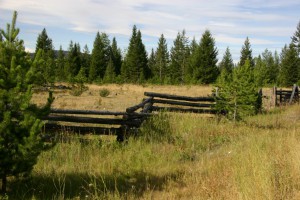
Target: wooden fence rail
x=122 y=123
x=286 y=96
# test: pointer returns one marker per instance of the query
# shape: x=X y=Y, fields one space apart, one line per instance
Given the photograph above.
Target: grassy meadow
x=175 y=156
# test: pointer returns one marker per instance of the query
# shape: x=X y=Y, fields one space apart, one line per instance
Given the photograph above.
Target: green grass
x=194 y=157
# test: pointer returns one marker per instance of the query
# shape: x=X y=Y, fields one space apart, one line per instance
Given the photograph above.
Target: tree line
x=187 y=62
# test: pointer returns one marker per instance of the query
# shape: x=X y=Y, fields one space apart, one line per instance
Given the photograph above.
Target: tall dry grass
x=194 y=157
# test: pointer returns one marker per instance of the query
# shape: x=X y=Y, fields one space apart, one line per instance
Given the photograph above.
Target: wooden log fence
x=122 y=123
x=286 y=96
x=182 y=103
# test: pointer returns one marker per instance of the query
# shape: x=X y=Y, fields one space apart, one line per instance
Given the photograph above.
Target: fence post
x=275 y=95
x=293 y=93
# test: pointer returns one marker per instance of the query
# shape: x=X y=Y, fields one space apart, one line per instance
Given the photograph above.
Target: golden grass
x=205 y=158
x=120 y=98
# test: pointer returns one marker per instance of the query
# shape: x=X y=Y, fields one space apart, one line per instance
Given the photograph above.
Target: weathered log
x=89 y=120
x=82 y=129
x=180 y=103
x=191 y=110
x=176 y=97
x=94 y=112
x=134 y=108
x=278 y=92
x=294 y=93
x=87 y=112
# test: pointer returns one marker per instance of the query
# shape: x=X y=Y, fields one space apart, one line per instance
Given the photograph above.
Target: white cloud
x=230 y=21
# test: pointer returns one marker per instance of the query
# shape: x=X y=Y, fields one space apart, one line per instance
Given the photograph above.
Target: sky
x=269 y=24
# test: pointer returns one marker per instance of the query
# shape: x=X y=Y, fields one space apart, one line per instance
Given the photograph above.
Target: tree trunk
x=4 y=183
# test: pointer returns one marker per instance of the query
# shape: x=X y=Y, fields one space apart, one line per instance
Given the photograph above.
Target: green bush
x=104 y=92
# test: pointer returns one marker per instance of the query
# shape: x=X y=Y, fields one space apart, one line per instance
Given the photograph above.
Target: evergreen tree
x=20 y=128
x=296 y=38
x=85 y=61
x=246 y=54
x=116 y=56
x=110 y=72
x=239 y=96
x=260 y=71
x=73 y=61
x=180 y=53
x=226 y=68
x=194 y=46
x=161 y=60
x=204 y=60
x=44 y=43
x=151 y=62
x=100 y=57
x=289 y=67
x=227 y=62
x=266 y=70
x=135 y=69
x=60 y=63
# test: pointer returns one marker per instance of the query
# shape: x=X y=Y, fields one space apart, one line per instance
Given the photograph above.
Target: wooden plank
x=134 y=108
x=92 y=120
x=176 y=97
x=191 y=110
x=82 y=129
x=180 y=103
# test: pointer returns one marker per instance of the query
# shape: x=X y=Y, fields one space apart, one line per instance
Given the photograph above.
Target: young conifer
x=20 y=126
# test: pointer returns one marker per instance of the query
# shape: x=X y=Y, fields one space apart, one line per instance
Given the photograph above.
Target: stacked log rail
x=125 y=123
x=286 y=96
x=175 y=103
x=95 y=118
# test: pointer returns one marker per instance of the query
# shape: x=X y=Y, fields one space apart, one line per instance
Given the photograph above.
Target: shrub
x=104 y=92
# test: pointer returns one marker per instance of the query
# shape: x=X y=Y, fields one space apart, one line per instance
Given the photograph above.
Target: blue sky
x=268 y=23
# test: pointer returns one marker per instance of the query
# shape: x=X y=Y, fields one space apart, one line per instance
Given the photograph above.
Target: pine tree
x=289 y=67
x=180 y=53
x=99 y=57
x=260 y=71
x=116 y=56
x=151 y=62
x=110 y=72
x=85 y=61
x=226 y=68
x=204 y=62
x=20 y=127
x=239 y=97
x=227 y=62
x=135 y=67
x=266 y=70
x=44 y=43
x=161 y=60
x=296 y=38
x=73 y=61
x=60 y=63
x=246 y=54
